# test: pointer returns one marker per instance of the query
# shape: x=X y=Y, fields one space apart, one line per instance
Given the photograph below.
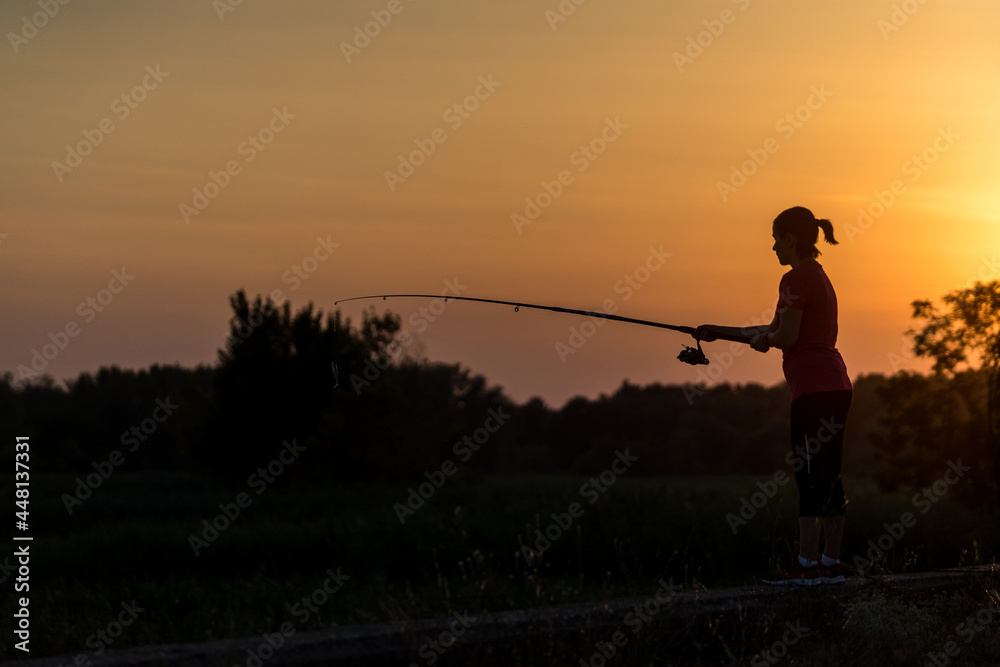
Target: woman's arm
x=709 y=332
x=787 y=332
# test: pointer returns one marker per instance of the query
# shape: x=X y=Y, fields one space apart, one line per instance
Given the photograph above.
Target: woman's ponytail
x=827 y=228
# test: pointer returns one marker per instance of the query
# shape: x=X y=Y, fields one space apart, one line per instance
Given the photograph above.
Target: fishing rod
x=689 y=355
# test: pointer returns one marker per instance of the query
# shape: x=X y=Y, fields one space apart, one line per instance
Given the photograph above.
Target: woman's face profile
x=784 y=247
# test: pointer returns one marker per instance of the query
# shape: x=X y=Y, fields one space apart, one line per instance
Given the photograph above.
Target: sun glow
x=888 y=97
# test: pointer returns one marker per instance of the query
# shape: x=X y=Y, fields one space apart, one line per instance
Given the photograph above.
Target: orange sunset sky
x=683 y=127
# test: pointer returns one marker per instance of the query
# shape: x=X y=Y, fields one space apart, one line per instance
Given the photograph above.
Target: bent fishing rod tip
x=689 y=355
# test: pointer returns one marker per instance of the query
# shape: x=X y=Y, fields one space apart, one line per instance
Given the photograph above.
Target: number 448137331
x=22 y=480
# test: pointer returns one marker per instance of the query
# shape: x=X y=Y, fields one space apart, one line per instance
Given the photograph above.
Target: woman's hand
x=704 y=334
x=760 y=343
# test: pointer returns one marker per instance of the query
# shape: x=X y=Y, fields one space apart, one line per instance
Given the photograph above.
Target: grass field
x=462 y=551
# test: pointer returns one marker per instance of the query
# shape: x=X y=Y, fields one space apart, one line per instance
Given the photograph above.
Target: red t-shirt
x=813 y=364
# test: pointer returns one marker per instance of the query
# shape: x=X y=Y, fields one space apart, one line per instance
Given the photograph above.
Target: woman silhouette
x=805 y=330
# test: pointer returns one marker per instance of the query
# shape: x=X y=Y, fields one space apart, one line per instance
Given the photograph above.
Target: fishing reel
x=693 y=355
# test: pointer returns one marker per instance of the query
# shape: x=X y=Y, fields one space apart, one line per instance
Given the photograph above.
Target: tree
x=274 y=381
x=926 y=421
x=392 y=418
x=964 y=333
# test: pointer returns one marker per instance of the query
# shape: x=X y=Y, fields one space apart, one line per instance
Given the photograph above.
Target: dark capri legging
x=817 y=432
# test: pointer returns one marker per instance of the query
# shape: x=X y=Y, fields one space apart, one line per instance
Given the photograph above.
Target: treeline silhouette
x=395 y=416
